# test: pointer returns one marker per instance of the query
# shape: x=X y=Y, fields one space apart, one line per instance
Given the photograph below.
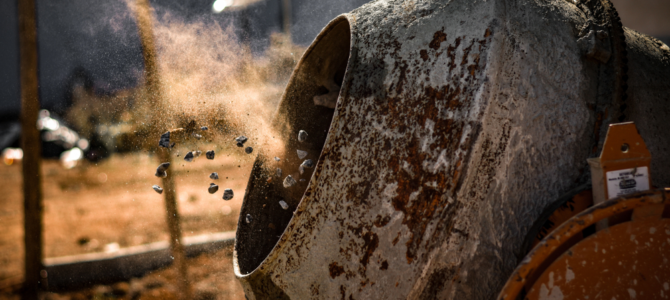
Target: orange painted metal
x=623 y=150
x=577 y=204
x=622 y=265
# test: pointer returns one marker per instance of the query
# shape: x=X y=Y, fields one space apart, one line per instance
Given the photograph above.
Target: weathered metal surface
x=457 y=122
x=627 y=260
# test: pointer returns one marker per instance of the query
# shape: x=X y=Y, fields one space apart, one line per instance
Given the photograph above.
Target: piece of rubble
x=196 y=153
x=209 y=154
x=241 y=140
x=308 y=163
x=248 y=150
x=248 y=219
x=289 y=181
x=302 y=136
x=227 y=194
x=301 y=169
x=203 y=128
x=160 y=171
x=212 y=188
x=214 y=175
x=197 y=136
x=158 y=189
x=277 y=158
x=283 y=204
x=165 y=140
x=302 y=154
x=188 y=157
x=278 y=172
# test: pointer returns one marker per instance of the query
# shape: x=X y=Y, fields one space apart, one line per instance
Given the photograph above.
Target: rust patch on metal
x=424 y=54
x=371 y=242
x=335 y=270
x=438 y=38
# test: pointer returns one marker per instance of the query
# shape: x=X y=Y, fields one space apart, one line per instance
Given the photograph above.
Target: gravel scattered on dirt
x=248 y=219
x=283 y=204
x=248 y=150
x=277 y=158
x=209 y=154
x=308 y=163
x=214 y=175
x=203 y=128
x=158 y=189
x=188 y=157
x=302 y=154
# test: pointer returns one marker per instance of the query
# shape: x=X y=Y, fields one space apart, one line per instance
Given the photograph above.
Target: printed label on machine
x=627 y=181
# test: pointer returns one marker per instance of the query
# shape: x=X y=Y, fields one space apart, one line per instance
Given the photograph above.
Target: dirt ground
x=92 y=206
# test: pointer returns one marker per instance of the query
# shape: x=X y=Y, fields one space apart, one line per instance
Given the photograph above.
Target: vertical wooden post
x=286 y=17
x=30 y=143
x=154 y=96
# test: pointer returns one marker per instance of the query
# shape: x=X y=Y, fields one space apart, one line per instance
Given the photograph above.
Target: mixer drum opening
x=308 y=104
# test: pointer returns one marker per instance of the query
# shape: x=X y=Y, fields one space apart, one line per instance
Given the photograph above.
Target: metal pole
x=154 y=96
x=30 y=143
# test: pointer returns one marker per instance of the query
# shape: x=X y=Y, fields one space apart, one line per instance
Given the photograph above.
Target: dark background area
x=96 y=42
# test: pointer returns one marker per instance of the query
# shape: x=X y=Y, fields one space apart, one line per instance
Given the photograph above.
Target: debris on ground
x=209 y=154
x=278 y=172
x=196 y=153
x=289 y=181
x=203 y=128
x=228 y=194
x=212 y=188
x=302 y=154
x=283 y=204
x=277 y=158
x=248 y=219
x=241 y=140
x=248 y=150
x=302 y=136
x=158 y=189
x=214 y=175
x=197 y=136
x=165 y=140
x=188 y=157
x=161 y=170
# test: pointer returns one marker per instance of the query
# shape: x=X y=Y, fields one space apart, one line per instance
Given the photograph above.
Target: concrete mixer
x=444 y=133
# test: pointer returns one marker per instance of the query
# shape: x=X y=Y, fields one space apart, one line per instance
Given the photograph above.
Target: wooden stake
x=30 y=143
x=154 y=96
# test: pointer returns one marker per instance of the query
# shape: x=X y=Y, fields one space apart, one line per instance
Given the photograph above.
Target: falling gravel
x=302 y=135
x=160 y=171
x=158 y=189
x=214 y=175
x=248 y=150
x=289 y=181
x=302 y=154
x=165 y=140
x=308 y=163
x=212 y=188
x=277 y=158
x=227 y=194
x=241 y=140
x=283 y=204
x=248 y=219
x=209 y=154
x=278 y=172
x=188 y=157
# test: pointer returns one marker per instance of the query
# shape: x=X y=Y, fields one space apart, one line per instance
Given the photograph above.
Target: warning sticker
x=627 y=181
